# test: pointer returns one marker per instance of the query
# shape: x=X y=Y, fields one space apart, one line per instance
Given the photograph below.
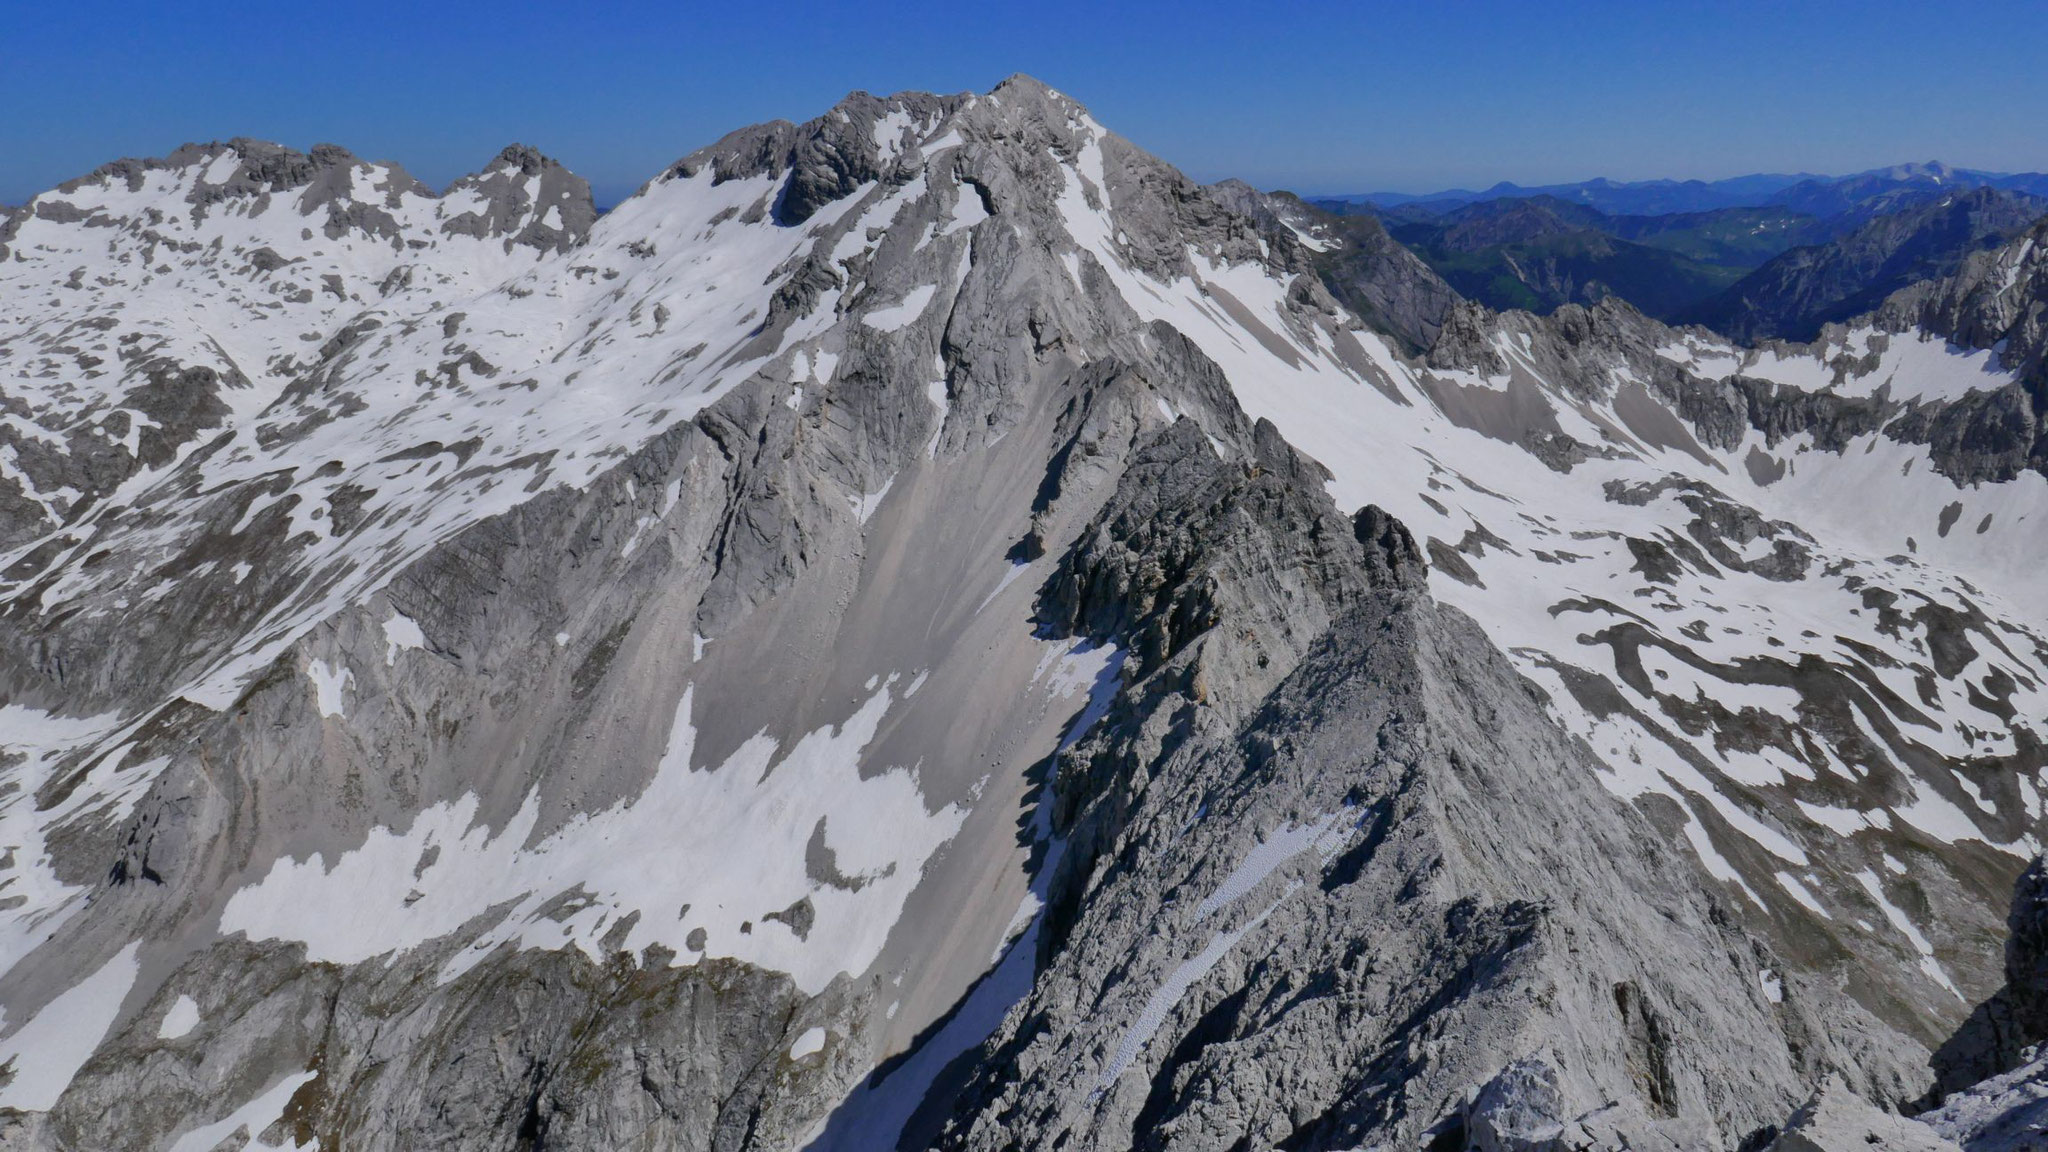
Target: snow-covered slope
x=438 y=625
x=158 y=298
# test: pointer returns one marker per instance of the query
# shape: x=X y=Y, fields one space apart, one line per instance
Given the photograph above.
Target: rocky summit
x=929 y=629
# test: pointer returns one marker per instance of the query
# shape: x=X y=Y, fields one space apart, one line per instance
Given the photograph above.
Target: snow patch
x=53 y=1045
x=328 y=683
x=968 y=210
x=1772 y=987
x=181 y=1019
x=897 y=316
x=935 y=392
x=810 y=1043
x=1085 y=666
x=1799 y=891
x=1168 y=994
x=865 y=504
x=251 y=1118
x=1899 y=920
x=1289 y=841
x=730 y=842
x=32 y=745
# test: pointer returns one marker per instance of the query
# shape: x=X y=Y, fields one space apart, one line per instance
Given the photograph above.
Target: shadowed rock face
x=2004 y=1031
x=913 y=631
x=1991 y=1086
x=2026 y=953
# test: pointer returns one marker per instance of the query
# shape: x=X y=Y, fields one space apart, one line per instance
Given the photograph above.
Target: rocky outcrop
x=822 y=160
x=2006 y=1113
x=1996 y=299
x=1836 y=1120
x=529 y=1049
x=1991 y=1087
x=1389 y=286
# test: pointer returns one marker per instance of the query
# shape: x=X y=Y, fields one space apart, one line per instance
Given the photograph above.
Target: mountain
x=1872 y=193
x=1751 y=273
x=926 y=628
x=1724 y=237
x=1507 y=249
x=1794 y=294
x=1638 y=197
x=1805 y=193
x=1541 y=253
x=257 y=254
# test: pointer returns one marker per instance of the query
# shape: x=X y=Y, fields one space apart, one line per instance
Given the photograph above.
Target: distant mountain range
x=1803 y=192
x=1806 y=252
x=1541 y=252
x=1792 y=295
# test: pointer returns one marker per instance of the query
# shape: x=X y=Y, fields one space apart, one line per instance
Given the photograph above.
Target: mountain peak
x=529 y=161
x=1024 y=84
x=526 y=198
x=1931 y=171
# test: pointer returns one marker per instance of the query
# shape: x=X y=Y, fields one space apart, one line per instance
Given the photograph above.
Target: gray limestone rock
x=2005 y=1113
x=1996 y=299
x=1836 y=1120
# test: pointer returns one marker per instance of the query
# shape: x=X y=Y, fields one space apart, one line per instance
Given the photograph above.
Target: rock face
x=2003 y=1032
x=1369 y=272
x=927 y=628
x=1991 y=1088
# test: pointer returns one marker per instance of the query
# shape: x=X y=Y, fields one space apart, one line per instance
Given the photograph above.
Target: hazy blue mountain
x=1639 y=197
x=1811 y=194
x=1868 y=195
x=1815 y=249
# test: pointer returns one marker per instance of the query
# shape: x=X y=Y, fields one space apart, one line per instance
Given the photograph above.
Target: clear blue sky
x=1327 y=98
